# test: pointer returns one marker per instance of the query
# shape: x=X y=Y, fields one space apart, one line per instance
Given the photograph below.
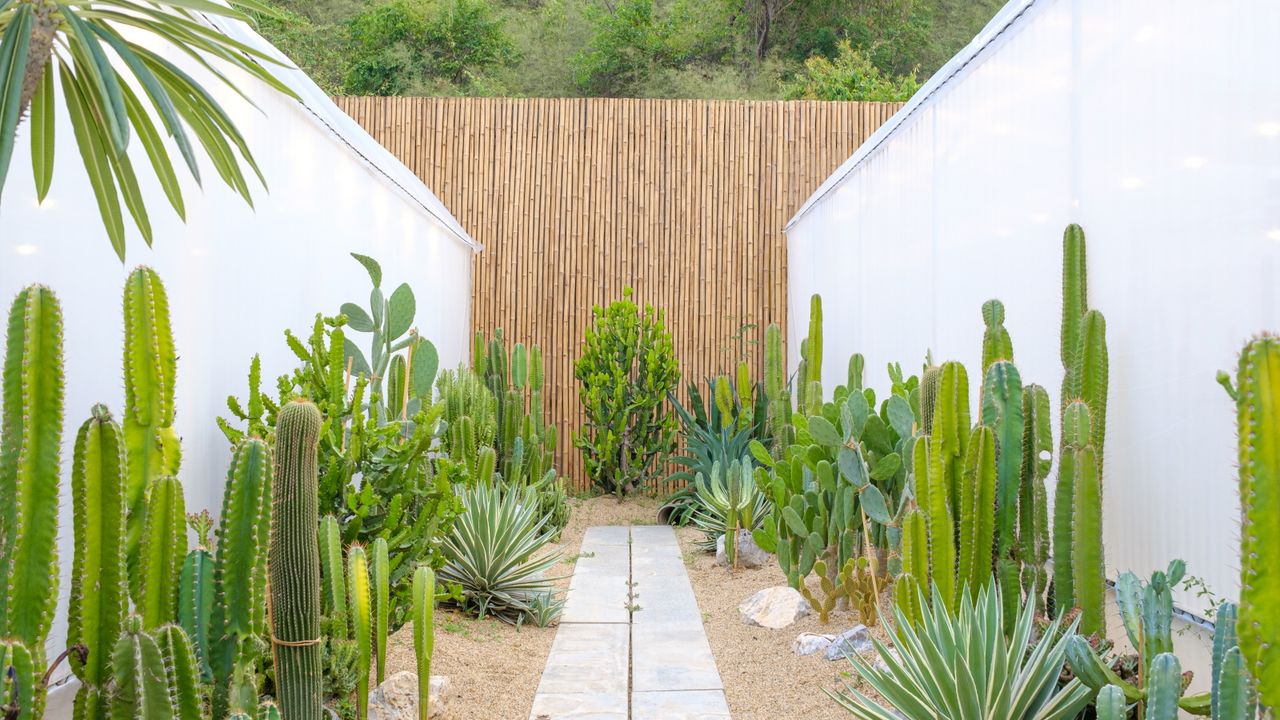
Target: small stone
x=856 y=639
x=774 y=608
x=397 y=697
x=749 y=554
x=807 y=643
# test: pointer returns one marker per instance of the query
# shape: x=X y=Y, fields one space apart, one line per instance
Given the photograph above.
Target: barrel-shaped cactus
x=361 y=605
x=162 y=552
x=1258 y=417
x=141 y=681
x=295 y=563
x=380 y=575
x=150 y=365
x=30 y=447
x=424 y=611
x=99 y=600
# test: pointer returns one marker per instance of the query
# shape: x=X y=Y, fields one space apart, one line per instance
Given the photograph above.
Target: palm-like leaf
x=100 y=73
x=489 y=552
x=963 y=667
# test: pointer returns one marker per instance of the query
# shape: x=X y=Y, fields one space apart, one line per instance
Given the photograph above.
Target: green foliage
x=162 y=553
x=398 y=47
x=1258 y=414
x=626 y=370
x=493 y=552
x=361 y=603
x=424 y=612
x=948 y=658
x=102 y=101
x=99 y=600
x=850 y=75
x=379 y=574
x=525 y=444
x=728 y=501
x=30 y=453
x=141 y=680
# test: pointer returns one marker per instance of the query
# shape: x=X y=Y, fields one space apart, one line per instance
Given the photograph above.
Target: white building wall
x=237 y=277
x=1155 y=124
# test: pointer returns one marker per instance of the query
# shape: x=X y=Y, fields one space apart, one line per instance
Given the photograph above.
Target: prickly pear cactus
x=1258 y=382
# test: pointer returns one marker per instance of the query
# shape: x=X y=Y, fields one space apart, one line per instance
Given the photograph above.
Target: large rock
x=807 y=643
x=749 y=554
x=854 y=641
x=774 y=608
x=397 y=697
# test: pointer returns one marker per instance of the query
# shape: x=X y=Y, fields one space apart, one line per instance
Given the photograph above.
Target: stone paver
x=631 y=645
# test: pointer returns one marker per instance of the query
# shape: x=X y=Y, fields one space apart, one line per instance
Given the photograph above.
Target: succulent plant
x=361 y=603
x=380 y=576
x=333 y=577
x=182 y=673
x=777 y=391
x=162 y=552
x=141 y=679
x=424 y=611
x=996 y=343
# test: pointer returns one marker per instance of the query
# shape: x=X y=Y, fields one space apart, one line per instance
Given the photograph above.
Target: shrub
x=626 y=370
x=850 y=76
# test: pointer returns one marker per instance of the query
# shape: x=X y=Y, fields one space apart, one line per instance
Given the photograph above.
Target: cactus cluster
x=524 y=442
x=777 y=390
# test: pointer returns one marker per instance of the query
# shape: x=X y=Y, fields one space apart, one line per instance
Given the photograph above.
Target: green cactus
x=1111 y=704
x=99 y=600
x=30 y=448
x=163 y=550
x=1003 y=412
x=150 y=363
x=1164 y=687
x=21 y=691
x=813 y=359
x=929 y=380
x=1079 y=573
x=332 y=573
x=196 y=596
x=1258 y=415
x=1076 y=430
x=141 y=681
x=361 y=625
x=1087 y=379
x=424 y=610
x=295 y=563
x=268 y=711
x=996 y=344
x=239 y=574
x=380 y=574
x=931 y=484
x=779 y=398
x=181 y=671
x=1033 y=506
x=977 y=511
x=1075 y=297
x=912 y=584
x=1231 y=696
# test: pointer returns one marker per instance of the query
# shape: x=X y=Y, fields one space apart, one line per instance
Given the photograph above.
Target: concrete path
x=630 y=644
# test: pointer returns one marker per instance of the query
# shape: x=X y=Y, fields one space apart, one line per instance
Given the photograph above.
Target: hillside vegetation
x=723 y=49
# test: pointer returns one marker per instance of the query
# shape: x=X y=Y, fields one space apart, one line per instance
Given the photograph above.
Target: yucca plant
x=490 y=552
x=963 y=667
x=98 y=49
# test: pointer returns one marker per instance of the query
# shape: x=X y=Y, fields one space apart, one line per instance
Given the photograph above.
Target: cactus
x=1258 y=415
x=1231 y=695
x=150 y=364
x=977 y=511
x=163 y=550
x=1033 y=520
x=99 y=600
x=332 y=574
x=1079 y=573
x=912 y=584
x=424 y=610
x=1075 y=297
x=268 y=711
x=1002 y=411
x=181 y=671
x=196 y=597
x=30 y=449
x=380 y=574
x=812 y=379
x=931 y=484
x=20 y=686
x=996 y=344
x=295 y=563
x=929 y=396
x=1111 y=704
x=775 y=377
x=1164 y=687
x=361 y=615
x=239 y=574
x=141 y=687
x=1088 y=377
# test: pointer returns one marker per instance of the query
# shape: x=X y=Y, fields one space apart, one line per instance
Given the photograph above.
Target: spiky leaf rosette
x=30 y=448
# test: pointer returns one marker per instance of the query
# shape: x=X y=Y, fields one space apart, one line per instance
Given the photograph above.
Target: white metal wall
x=236 y=277
x=1155 y=124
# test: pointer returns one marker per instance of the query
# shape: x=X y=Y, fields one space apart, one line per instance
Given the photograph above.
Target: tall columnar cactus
x=182 y=673
x=141 y=682
x=162 y=552
x=1164 y=687
x=361 y=623
x=996 y=343
x=150 y=363
x=240 y=575
x=1077 y=525
x=380 y=574
x=19 y=684
x=332 y=574
x=935 y=497
x=775 y=385
x=424 y=611
x=912 y=585
x=1033 y=505
x=295 y=563
x=1075 y=300
x=30 y=447
x=977 y=510
x=1087 y=379
x=929 y=396
x=1111 y=704
x=197 y=595
x=1003 y=413
x=99 y=600
x=813 y=358
x=857 y=371
x=1232 y=694
x=1258 y=414
x=951 y=426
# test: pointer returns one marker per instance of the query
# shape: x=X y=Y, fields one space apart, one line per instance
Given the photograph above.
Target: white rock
x=809 y=643
x=856 y=639
x=749 y=554
x=397 y=697
x=774 y=608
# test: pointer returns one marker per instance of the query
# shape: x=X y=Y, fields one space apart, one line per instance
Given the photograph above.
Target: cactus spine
x=295 y=563
x=181 y=671
x=361 y=613
x=380 y=573
x=239 y=574
x=424 y=611
x=150 y=365
x=335 y=587
x=99 y=600
x=163 y=550
x=1258 y=415
x=141 y=687
x=996 y=343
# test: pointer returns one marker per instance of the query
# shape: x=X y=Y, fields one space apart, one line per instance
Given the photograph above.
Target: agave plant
x=105 y=56
x=964 y=668
x=490 y=552
x=728 y=501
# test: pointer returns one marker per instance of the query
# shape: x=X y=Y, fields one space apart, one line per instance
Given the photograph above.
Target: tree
x=851 y=76
x=77 y=42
